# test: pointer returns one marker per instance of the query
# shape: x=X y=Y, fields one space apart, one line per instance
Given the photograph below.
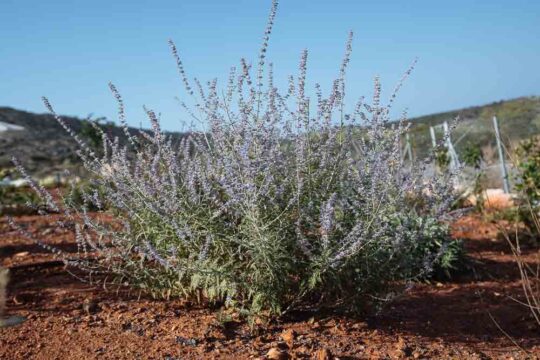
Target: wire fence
x=496 y=170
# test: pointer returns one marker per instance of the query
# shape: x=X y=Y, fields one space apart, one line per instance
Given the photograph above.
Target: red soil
x=68 y=319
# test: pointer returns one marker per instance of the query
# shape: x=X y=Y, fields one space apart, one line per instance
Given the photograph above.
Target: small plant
x=472 y=156
x=91 y=130
x=18 y=200
x=528 y=154
x=280 y=201
x=528 y=182
x=223 y=319
x=442 y=159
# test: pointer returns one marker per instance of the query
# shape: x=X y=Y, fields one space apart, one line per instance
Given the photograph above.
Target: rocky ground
x=472 y=316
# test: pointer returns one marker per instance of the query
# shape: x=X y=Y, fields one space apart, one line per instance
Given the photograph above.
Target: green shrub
x=472 y=156
x=528 y=182
x=18 y=200
x=92 y=129
x=442 y=159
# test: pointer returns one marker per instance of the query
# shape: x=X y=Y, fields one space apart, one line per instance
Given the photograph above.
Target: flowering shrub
x=281 y=200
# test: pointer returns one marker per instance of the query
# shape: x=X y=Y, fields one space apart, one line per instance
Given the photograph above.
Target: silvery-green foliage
x=282 y=199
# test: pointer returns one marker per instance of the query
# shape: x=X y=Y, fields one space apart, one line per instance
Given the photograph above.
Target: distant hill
x=40 y=142
x=44 y=147
x=518 y=119
x=523 y=107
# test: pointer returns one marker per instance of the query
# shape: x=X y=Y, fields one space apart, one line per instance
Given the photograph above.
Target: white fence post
x=504 y=173
x=454 y=160
x=433 y=139
x=408 y=149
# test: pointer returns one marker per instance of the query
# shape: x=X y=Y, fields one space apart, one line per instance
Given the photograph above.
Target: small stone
x=12 y=321
x=302 y=350
x=17 y=301
x=400 y=345
x=22 y=254
x=186 y=341
x=90 y=306
x=288 y=336
x=359 y=325
x=323 y=354
x=259 y=321
x=277 y=354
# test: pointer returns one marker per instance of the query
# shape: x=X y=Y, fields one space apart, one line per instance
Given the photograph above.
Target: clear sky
x=470 y=52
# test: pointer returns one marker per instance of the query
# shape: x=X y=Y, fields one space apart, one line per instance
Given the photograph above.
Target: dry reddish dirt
x=69 y=319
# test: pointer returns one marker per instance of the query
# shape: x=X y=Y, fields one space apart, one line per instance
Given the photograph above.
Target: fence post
x=454 y=160
x=433 y=139
x=506 y=186
x=408 y=148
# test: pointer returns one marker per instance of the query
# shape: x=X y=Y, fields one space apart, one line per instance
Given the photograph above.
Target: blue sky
x=470 y=52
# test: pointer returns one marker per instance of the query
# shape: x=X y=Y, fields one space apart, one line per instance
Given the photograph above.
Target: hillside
x=515 y=108
x=518 y=119
x=45 y=147
x=40 y=142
